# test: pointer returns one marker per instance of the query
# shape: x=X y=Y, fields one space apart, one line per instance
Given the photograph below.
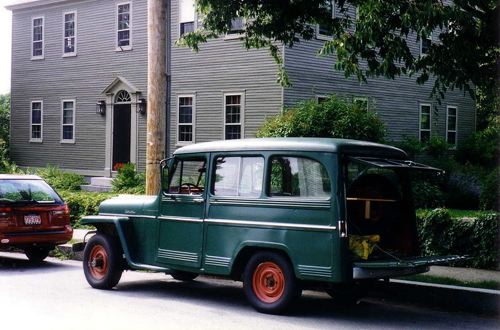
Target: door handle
x=198 y=200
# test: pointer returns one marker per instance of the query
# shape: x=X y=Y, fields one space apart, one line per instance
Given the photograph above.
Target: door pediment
x=120 y=83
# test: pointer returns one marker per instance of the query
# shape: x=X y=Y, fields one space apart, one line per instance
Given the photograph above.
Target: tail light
x=6 y=217
x=61 y=215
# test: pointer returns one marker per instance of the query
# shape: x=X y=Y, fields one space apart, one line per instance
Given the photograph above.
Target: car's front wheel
x=269 y=282
x=36 y=253
x=102 y=261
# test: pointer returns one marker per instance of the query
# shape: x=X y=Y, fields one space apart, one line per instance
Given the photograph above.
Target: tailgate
x=400 y=267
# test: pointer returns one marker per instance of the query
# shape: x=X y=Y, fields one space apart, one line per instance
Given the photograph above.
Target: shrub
x=440 y=234
x=128 y=180
x=83 y=203
x=489 y=198
x=427 y=194
x=60 y=180
x=482 y=147
x=334 y=117
x=412 y=146
x=436 y=147
x=462 y=191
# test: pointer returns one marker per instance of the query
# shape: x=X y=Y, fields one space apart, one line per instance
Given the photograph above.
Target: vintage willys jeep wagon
x=277 y=214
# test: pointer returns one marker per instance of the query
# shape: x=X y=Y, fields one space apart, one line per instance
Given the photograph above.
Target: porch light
x=100 y=108
x=141 y=106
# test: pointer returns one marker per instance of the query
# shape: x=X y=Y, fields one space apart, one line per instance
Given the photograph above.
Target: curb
x=448 y=297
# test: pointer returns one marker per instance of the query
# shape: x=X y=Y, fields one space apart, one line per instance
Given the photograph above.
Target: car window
x=187 y=177
x=238 y=176
x=27 y=191
x=298 y=177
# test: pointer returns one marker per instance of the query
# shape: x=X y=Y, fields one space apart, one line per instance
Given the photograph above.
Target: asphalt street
x=55 y=295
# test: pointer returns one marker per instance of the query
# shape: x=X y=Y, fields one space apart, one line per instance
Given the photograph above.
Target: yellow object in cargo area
x=362 y=246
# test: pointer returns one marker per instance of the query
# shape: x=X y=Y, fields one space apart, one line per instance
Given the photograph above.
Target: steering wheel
x=189 y=186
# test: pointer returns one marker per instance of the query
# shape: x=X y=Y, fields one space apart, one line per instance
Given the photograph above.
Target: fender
x=117 y=222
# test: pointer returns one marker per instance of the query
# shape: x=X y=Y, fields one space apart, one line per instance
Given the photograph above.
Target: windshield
x=27 y=191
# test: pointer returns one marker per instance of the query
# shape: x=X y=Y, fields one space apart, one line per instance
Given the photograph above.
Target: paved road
x=56 y=296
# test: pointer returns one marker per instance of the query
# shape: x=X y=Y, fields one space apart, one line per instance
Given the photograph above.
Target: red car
x=33 y=217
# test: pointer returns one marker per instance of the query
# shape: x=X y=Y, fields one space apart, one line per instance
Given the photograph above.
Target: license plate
x=32 y=219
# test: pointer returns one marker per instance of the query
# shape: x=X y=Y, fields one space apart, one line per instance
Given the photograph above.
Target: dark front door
x=121 y=134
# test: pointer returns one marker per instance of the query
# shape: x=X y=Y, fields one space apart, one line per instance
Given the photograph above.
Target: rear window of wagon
x=27 y=191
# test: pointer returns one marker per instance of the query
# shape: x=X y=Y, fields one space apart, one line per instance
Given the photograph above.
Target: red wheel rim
x=98 y=262
x=268 y=282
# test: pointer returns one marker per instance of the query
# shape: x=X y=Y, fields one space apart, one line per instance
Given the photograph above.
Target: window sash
x=37 y=39
x=185 y=119
x=233 y=116
x=69 y=37
x=36 y=121
x=322 y=30
x=425 y=122
x=123 y=24
x=68 y=121
x=451 y=124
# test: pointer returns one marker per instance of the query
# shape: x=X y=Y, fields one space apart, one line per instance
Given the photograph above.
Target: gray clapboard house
x=79 y=82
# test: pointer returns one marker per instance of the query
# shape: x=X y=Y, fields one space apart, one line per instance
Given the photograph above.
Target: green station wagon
x=278 y=214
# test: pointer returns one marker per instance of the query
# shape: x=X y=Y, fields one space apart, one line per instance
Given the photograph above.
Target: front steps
x=98 y=184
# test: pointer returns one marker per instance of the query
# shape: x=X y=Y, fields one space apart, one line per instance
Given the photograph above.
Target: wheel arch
x=247 y=249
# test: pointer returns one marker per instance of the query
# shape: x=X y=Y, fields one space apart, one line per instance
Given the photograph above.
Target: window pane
x=186 y=133
x=237 y=25
x=36 y=116
x=188 y=177
x=451 y=137
x=239 y=176
x=233 y=132
x=185 y=110
x=232 y=114
x=37 y=48
x=187 y=27
x=36 y=131
x=69 y=45
x=426 y=44
x=68 y=132
x=425 y=136
x=123 y=38
x=298 y=177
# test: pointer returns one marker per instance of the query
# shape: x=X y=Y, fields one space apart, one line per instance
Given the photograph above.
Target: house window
x=233 y=116
x=451 y=125
x=186 y=17
x=36 y=121
x=68 y=121
x=185 y=119
x=425 y=44
x=123 y=31
x=324 y=29
x=37 y=38
x=425 y=122
x=237 y=25
x=69 y=38
x=361 y=102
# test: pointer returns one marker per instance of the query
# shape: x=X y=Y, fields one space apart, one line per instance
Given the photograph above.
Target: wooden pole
x=157 y=85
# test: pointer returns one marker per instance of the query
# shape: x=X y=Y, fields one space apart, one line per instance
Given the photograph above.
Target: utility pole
x=157 y=85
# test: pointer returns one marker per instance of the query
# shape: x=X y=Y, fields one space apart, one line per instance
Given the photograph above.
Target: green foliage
x=427 y=194
x=333 y=117
x=411 y=145
x=60 y=180
x=482 y=147
x=440 y=234
x=83 y=203
x=490 y=196
x=128 y=180
x=378 y=33
x=5 y=121
x=436 y=147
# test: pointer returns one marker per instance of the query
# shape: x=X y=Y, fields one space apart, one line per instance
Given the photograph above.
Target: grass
x=456 y=213
x=493 y=285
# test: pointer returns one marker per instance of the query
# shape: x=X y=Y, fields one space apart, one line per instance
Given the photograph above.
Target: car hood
x=130 y=205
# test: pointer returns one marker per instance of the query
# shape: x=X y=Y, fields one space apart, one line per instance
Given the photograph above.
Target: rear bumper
x=52 y=236
x=359 y=273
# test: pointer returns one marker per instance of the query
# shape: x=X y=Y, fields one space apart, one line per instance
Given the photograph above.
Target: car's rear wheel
x=37 y=253
x=102 y=262
x=269 y=282
x=183 y=276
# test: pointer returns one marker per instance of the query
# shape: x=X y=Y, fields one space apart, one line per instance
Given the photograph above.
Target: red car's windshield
x=22 y=191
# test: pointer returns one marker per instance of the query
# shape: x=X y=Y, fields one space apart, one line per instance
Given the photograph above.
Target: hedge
x=83 y=203
x=440 y=234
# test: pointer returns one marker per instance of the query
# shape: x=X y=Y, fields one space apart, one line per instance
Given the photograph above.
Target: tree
x=4 y=120
x=372 y=38
x=333 y=117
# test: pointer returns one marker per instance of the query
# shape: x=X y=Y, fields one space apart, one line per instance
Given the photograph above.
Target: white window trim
x=64 y=33
x=421 y=42
x=364 y=99
x=242 y=113
x=193 y=120
x=179 y=21
x=326 y=37
x=420 y=120
x=62 y=120
x=40 y=57
x=129 y=47
x=454 y=146
x=40 y=140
